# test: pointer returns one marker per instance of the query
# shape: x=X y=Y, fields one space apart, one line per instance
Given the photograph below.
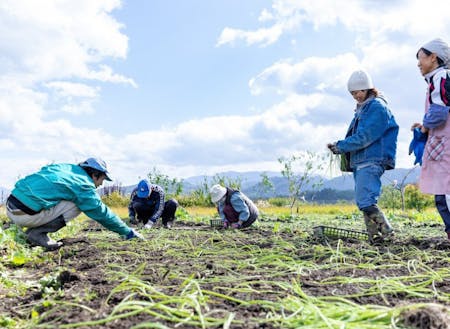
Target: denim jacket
x=371 y=136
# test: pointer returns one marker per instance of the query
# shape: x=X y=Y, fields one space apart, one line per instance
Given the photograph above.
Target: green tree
x=201 y=195
x=400 y=186
x=266 y=185
x=310 y=163
x=171 y=186
x=231 y=182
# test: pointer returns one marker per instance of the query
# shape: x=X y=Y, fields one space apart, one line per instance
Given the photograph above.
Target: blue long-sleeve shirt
x=241 y=204
x=56 y=182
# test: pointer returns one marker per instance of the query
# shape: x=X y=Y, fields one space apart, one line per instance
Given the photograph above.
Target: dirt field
x=193 y=276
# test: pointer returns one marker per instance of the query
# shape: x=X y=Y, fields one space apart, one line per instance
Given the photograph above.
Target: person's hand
x=333 y=148
x=149 y=224
x=424 y=130
x=134 y=234
x=416 y=125
x=226 y=224
x=236 y=225
x=133 y=220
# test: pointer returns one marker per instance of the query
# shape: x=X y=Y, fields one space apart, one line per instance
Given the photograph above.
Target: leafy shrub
x=414 y=199
x=278 y=202
x=115 y=199
x=194 y=200
x=390 y=198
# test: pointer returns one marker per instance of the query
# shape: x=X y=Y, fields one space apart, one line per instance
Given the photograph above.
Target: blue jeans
x=367 y=185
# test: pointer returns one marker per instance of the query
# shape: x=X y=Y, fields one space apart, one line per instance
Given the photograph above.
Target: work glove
x=133 y=220
x=236 y=225
x=134 y=234
x=417 y=145
x=226 y=224
x=149 y=224
x=333 y=148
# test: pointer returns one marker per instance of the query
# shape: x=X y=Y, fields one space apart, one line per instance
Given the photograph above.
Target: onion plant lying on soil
x=275 y=274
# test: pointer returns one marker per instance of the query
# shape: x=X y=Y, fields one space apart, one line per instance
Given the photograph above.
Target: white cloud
x=52 y=43
x=72 y=89
x=372 y=20
x=310 y=75
x=57 y=39
x=263 y=36
x=386 y=38
x=63 y=46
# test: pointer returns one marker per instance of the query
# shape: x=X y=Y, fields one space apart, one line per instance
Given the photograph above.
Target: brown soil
x=88 y=271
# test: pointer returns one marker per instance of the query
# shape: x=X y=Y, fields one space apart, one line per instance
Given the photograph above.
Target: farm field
x=276 y=274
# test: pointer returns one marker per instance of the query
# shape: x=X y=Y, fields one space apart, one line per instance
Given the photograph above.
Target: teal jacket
x=56 y=182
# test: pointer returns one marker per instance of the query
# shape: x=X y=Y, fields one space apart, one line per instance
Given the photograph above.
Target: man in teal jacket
x=46 y=200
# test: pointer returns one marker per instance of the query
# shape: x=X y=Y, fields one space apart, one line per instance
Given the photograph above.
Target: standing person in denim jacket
x=235 y=209
x=147 y=205
x=371 y=142
x=433 y=59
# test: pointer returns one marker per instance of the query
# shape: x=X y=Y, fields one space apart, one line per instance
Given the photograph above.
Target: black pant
x=168 y=215
x=143 y=213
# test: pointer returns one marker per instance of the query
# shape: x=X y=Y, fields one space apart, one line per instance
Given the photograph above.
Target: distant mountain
x=251 y=182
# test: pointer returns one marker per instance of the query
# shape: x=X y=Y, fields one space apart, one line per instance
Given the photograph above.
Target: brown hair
x=373 y=92
x=428 y=53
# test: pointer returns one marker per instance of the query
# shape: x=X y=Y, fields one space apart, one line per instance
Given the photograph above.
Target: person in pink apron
x=433 y=59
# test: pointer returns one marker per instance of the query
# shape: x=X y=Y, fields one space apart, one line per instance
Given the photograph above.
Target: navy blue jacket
x=149 y=208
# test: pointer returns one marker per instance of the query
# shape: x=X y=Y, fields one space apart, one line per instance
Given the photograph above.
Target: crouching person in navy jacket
x=147 y=205
x=234 y=207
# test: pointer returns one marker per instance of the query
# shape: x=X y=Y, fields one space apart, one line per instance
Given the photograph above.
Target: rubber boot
x=372 y=228
x=168 y=224
x=384 y=227
x=37 y=236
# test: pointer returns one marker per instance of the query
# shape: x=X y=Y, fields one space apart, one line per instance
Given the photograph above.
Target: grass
x=277 y=276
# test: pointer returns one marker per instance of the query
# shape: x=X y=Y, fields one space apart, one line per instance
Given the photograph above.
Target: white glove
x=149 y=224
x=134 y=234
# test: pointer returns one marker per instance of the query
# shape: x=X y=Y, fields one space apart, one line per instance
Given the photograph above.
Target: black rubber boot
x=37 y=236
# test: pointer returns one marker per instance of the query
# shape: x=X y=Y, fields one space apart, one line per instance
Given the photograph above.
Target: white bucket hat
x=217 y=192
x=359 y=80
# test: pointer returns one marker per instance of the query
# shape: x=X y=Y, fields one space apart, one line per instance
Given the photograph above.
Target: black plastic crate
x=217 y=223
x=339 y=233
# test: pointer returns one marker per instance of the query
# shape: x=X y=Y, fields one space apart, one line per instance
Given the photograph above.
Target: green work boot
x=372 y=229
x=37 y=236
x=384 y=227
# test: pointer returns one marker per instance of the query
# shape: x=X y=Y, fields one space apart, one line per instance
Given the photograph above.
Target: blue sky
x=199 y=87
